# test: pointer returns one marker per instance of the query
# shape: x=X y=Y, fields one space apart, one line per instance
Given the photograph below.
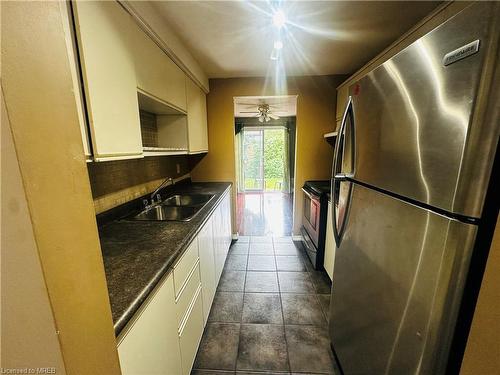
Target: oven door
x=310 y=219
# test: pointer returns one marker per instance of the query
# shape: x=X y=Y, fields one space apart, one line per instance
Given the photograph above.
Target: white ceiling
x=235 y=38
x=284 y=105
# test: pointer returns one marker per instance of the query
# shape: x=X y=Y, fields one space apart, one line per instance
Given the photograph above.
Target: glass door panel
x=253 y=160
x=274 y=159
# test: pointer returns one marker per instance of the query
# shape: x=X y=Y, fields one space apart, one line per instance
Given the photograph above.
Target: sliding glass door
x=264 y=159
x=253 y=160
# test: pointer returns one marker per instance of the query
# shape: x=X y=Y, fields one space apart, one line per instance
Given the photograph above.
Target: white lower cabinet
x=151 y=345
x=190 y=333
x=183 y=302
x=226 y=217
x=222 y=234
x=207 y=266
x=164 y=336
x=218 y=246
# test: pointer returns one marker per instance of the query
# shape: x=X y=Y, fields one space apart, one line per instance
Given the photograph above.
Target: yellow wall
x=44 y=123
x=482 y=354
x=27 y=322
x=315 y=116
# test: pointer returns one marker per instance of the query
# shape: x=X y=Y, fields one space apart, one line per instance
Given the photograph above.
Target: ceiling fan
x=264 y=113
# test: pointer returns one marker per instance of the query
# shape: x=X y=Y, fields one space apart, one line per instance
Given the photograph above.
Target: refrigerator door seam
x=436 y=210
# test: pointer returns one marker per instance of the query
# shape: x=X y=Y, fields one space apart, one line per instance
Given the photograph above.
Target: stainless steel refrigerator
x=411 y=175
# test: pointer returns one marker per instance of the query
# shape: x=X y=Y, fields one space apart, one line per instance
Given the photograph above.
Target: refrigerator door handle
x=339 y=143
x=338 y=230
x=353 y=138
x=344 y=176
x=339 y=177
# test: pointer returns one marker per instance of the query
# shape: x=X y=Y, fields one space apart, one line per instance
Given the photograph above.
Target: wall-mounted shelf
x=153 y=104
x=163 y=127
x=161 y=151
x=198 y=152
x=330 y=137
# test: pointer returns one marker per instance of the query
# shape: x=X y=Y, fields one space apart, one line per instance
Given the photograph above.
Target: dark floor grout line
x=283 y=318
x=275 y=324
x=321 y=307
x=267 y=372
x=241 y=318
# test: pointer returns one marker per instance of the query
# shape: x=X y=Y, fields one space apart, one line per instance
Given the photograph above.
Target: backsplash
x=117 y=182
x=149 y=131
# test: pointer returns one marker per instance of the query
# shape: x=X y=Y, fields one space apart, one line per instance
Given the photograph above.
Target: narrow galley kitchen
x=250 y=187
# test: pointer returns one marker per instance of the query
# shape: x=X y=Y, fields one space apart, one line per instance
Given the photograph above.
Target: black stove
x=319 y=187
x=314 y=217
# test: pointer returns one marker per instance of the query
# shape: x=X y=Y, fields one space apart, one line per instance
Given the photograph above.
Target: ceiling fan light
x=261 y=118
x=279 y=19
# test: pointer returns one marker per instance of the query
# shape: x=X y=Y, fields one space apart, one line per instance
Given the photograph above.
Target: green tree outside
x=274 y=154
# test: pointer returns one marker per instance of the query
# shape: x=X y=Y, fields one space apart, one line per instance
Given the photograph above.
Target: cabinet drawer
x=190 y=333
x=184 y=266
x=187 y=293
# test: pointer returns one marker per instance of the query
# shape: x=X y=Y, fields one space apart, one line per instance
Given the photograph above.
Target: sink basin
x=167 y=213
x=179 y=207
x=187 y=200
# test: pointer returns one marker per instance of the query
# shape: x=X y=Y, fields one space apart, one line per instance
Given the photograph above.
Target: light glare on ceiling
x=275 y=54
x=279 y=19
x=278 y=44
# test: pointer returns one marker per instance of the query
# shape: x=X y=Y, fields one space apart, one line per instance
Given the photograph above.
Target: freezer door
x=398 y=279
x=420 y=132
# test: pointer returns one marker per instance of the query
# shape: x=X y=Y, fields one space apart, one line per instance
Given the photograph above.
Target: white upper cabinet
x=157 y=74
x=109 y=79
x=76 y=78
x=197 y=118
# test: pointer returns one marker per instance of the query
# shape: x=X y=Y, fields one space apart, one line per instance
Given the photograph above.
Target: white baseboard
x=235 y=236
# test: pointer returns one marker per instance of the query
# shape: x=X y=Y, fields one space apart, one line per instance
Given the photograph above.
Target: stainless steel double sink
x=178 y=207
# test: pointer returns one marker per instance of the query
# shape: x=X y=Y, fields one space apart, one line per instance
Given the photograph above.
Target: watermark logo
x=28 y=370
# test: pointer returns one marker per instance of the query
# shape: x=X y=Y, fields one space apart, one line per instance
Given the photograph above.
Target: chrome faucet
x=155 y=193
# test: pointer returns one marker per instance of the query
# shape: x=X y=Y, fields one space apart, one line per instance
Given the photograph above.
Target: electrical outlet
x=178 y=166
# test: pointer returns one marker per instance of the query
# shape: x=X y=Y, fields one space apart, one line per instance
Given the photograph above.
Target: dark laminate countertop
x=137 y=254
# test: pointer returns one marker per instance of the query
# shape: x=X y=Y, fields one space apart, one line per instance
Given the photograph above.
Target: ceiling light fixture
x=278 y=44
x=265 y=118
x=279 y=19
